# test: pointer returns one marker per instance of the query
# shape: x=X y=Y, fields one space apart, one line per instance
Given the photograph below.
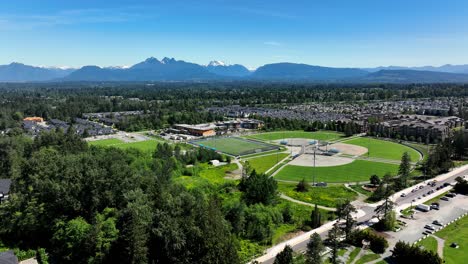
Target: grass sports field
x=319 y=135
x=145 y=146
x=235 y=146
x=384 y=149
x=358 y=170
x=264 y=163
x=326 y=196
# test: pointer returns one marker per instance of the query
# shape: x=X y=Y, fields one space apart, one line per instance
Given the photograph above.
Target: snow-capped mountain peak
x=216 y=63
x=167 y=60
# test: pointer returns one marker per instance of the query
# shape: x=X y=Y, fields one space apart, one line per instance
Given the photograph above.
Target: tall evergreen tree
x=404 y=169
x=314 y=249
x=285 y=256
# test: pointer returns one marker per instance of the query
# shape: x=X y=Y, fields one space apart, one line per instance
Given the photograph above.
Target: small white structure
x=214 y=162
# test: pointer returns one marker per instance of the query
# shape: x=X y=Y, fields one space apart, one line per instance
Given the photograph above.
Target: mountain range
x=170 y=69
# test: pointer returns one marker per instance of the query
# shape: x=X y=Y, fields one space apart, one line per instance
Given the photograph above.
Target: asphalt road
x=414 y=229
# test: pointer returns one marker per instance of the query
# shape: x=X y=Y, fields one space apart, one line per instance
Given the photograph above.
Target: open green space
x=423 y=148
x=429 y=243
x=264 y=163
x=353 y=254
x=205 y=175
x=106 y=142
x=384 y=149
x=455 y=233
x=319 y=135
x=358 y=188
x=358 y=170
x=145 y=146
x=367 y=258
x=325 y=196
x=235 y=146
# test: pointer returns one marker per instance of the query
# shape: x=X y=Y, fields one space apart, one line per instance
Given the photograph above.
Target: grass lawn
x=429 y=243
x=282 y=149
x=421 y=147
x=353 y=254
x=319 y=135
x=235 y=146
x=367 y=258
x=206 y=175
x=458 y=233
x=358 y=170
x=144 y=146
x=106 y=142
x=384 y=149
x=262 y=164
x=358 y=188
x=326 y=196
x=301 y=213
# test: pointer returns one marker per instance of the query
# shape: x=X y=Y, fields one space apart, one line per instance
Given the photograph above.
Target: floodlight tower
x=314 y=172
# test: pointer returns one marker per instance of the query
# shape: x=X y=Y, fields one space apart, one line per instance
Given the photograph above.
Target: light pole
x=314 y=172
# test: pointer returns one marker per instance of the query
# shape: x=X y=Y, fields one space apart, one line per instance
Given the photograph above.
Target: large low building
x=201 y=130
x=414 y=127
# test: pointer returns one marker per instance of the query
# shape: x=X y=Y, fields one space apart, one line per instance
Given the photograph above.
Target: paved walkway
x=285 y=197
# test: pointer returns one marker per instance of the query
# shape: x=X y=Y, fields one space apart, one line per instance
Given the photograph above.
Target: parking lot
x=449 y=210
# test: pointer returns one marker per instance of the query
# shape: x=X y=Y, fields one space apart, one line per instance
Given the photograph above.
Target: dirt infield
x=320 y=161
x=349 y=149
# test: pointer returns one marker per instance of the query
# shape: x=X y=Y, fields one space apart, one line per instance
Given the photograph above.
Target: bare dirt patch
x=349 y=149
x=320 y=160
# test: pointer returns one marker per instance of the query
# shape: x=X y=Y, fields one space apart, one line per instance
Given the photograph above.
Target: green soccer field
x=319 y=135
x=235 y=146
x=358 y=170
x=384 y=149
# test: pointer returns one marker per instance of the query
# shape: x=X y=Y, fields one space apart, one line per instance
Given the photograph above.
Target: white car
x=403 y=195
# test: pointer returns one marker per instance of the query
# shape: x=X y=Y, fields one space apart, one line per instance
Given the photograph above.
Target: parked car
x=437 y=222
x=446 y=184
x=444 y=198
x=429 y=227
x=434 y=207
x=403 y=195
x=451 y=195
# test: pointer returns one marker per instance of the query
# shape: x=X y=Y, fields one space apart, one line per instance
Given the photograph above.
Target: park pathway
x=440 y=246
x=285 y=197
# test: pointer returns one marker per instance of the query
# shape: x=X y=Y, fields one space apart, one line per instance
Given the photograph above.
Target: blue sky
x=353 y=33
